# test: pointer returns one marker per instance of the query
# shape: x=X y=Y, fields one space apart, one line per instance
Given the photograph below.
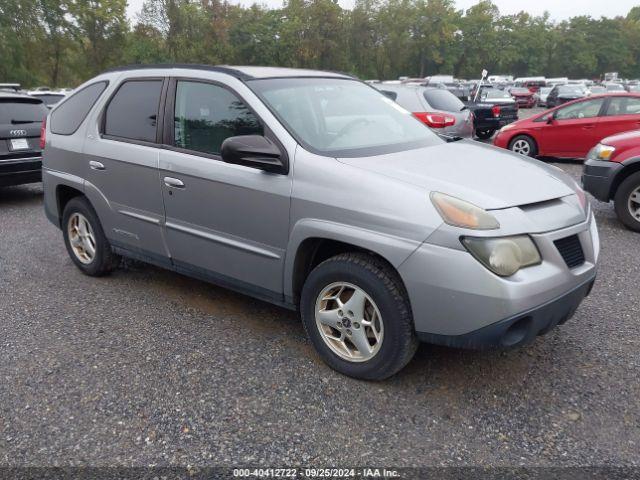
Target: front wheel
x=485 y=134
x=524 y=145
x=627 y=202
x=356 y=313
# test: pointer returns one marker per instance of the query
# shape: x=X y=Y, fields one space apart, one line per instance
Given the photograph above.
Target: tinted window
x=68 y=116
x=133 y=111
x=206 y=115
x=587 y=109
x=16 y=112
x=443 y=100
x=624 y=106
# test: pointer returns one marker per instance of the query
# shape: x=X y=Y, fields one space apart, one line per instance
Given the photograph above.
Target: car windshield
x=519 y=90
x=570 y=89
x=614 y=87
x=443 y=100
x=546 y=90
x=342 y=117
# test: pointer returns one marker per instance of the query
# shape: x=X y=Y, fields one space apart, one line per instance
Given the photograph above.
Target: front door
x=572 y=131
x=225 y=222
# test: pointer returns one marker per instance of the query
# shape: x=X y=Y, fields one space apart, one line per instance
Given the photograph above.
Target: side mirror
x=551 y=118
x=254 y=151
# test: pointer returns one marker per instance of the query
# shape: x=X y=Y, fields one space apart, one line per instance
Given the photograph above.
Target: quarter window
x=206 y=115
x=576 y=111
x=133 y=111
x=623 y=106
x=68 y=116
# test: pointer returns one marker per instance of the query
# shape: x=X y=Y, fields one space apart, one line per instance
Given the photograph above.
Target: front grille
x=571 y=250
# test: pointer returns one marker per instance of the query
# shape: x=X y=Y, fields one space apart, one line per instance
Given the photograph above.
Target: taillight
x=43 y=134
x=435 y=120
x=496 y=110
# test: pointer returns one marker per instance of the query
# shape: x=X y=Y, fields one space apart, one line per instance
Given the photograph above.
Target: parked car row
x=603 y=129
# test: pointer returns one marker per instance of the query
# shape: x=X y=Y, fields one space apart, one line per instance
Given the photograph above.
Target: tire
x=94 y=262
x=524 y=145
x=385 y=295
x=485 y=134
x=624 y=202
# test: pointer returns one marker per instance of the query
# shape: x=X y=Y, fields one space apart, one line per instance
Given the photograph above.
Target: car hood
x=484 y=175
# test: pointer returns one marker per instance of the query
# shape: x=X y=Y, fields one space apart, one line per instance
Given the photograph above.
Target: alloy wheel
x=349 y=322
x=522 y=147
x=634 y=204
x=81 y=238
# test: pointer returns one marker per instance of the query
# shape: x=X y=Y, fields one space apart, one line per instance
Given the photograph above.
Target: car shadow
x=21 y=194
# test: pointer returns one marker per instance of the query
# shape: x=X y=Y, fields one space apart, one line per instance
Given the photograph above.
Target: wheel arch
x=630 y=167
x=313 y=243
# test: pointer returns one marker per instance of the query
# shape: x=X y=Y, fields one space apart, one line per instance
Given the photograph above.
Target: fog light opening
x=516 y=333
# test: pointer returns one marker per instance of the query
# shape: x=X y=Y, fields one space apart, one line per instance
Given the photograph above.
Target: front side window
x=133 y=111
x=623 y=106
x=342 y=117
x=587 y=109
x=206 y=115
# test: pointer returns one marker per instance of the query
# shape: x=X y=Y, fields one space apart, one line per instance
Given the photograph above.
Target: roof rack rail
x=211 y=68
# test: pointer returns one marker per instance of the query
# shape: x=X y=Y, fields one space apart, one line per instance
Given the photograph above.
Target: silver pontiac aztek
x=314 y=191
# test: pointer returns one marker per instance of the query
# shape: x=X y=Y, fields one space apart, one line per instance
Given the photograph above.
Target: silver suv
x=314 y=191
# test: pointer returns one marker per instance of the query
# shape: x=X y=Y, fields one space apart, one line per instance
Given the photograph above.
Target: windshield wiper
x=464 y=107
x=16 y=122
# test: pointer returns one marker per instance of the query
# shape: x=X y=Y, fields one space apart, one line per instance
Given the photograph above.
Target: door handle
x=173 y=182
x=588 y=127
x=96 y=165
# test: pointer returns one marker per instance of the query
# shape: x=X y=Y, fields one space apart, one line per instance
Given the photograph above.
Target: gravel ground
x=148 y=367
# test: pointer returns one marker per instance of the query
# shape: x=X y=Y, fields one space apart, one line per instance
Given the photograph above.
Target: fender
x=51 y=180
x=393 y=249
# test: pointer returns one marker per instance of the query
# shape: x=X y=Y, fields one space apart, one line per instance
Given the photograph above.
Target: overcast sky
x=558 y=10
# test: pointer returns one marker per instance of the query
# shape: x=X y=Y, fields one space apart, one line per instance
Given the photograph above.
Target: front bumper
x=520 y=329
x=457 y=301
x=598 y=177
x=20 y=170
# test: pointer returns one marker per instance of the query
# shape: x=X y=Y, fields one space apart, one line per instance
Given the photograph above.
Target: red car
x=572 y=129
x=612 y=172
x=524 y=97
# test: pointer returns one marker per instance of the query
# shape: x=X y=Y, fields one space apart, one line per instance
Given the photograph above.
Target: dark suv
x=21 y=119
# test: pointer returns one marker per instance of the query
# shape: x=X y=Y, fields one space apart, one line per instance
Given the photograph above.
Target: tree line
x=64 y=42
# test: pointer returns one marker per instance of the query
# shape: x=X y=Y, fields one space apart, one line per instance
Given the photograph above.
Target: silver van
x=314 y=191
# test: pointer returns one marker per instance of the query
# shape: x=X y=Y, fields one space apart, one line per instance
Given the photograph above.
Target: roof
x=19 y=96
x=240 y=72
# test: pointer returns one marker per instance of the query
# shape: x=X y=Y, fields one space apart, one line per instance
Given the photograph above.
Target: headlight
x=459 y=213
x=601 y=152
x=504 y=256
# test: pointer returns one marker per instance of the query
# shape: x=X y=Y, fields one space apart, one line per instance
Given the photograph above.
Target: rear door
x=572 y=132
x=121 y=168
x=224 y=222
x=621 y=115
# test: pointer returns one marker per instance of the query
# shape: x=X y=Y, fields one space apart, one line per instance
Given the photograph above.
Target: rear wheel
x=524 y=145
x=356 y=313
x=85 y=240
x=627 y=202
x=485 y=134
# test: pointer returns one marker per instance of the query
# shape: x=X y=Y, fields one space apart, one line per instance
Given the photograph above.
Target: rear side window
x=133 y=111
x=206 y=115
x=624 y=106
x=443 y=100
x=17 y=112
x=66 y=119
x=390 y=94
